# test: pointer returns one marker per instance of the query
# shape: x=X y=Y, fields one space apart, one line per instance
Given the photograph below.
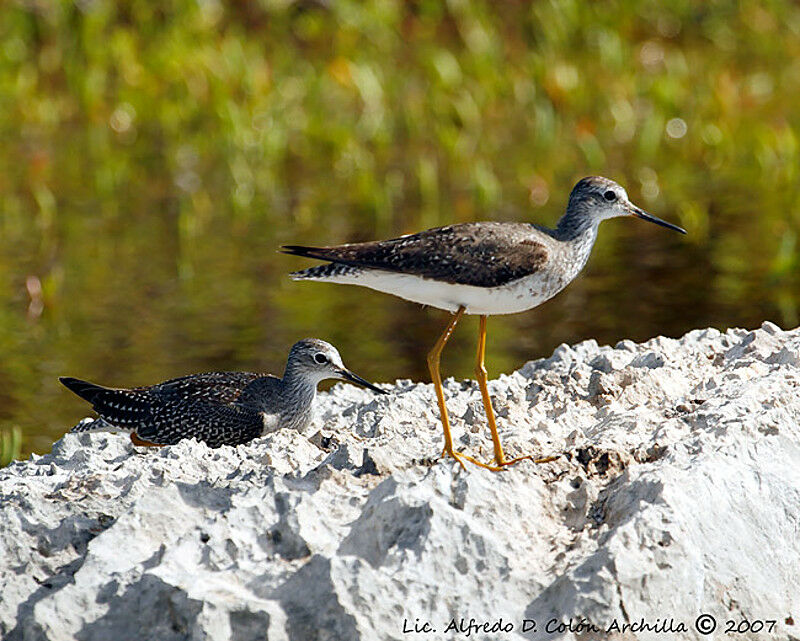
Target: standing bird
x=479 y=268
x=220 y=408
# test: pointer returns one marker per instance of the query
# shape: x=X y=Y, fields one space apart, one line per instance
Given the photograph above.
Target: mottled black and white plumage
x=220 y=408
x=487 y=267
x=487 y=254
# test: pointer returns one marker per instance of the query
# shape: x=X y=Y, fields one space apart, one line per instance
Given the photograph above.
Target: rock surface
x=677 y=493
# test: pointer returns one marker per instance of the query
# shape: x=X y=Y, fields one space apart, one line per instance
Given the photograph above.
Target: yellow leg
x=480 y=373
x=434 y=358
x=141 y=442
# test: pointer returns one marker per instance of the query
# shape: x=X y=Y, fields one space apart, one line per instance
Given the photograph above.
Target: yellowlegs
x=479 y=268
x=220 y=408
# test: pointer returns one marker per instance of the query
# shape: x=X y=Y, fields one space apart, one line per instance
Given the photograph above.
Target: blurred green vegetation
x=156 y=154
x=10 y=445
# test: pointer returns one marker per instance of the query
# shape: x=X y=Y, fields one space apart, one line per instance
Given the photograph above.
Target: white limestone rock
x=676 y=494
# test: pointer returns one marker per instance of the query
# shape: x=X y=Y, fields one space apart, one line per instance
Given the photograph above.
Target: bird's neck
x=577 y=225
x=577 y=231
x=261 y=393
x=299 y=383
x=298 y=392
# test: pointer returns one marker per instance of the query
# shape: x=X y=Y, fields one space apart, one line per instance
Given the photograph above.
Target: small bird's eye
x=610 y=196
x=320 y=358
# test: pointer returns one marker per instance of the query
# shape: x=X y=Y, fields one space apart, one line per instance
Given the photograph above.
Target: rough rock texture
x=677 y=493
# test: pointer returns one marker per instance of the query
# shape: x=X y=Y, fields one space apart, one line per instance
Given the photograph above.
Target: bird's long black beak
x=347 y=375
x=640 y=213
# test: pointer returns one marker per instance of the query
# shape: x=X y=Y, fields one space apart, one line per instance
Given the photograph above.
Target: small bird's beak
x=347 y=375
x=640 y=213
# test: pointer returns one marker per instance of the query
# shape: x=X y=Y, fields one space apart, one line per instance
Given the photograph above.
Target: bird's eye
x=320 y=358
x=610 y=196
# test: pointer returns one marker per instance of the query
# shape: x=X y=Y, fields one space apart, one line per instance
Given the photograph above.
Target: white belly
x=517 y=296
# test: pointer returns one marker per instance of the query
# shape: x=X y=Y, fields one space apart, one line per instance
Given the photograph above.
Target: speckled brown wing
x=217 y=387
x=216 y=424
x=486 y=254
x=205 y=406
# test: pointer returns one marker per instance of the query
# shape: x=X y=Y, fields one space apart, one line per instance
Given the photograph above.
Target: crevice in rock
x=312 y=607
x=285 y=534
x=205 y=495
x=247 y=625
x=388 y=524
x=26 y=627
x=164 y=610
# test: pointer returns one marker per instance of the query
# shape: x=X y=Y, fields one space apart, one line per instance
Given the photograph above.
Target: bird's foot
x=460 y=457
x=141 y=442
x=495 y=466
x=508 y=462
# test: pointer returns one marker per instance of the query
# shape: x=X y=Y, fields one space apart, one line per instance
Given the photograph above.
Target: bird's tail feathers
x=320 y=253
x=88 y=425
x=118 y=407
x=328 y=271
x=86 y=390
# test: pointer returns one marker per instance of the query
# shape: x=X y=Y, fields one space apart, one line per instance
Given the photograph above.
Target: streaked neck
x=298 y=383
x=577 y=232
x=577 y=225
x=297 y=394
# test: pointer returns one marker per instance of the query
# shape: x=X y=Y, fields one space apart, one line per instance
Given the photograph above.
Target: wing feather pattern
x=488 y=254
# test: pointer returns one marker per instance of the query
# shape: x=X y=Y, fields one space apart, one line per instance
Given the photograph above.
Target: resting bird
x=219 y=408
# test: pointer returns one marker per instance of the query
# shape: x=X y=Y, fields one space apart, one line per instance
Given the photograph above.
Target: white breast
x=517 y=296
x=272 y=422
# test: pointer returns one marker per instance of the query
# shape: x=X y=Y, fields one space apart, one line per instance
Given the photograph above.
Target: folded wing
x=478 y=254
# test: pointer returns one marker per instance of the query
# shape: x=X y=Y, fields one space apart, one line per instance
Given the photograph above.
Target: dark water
x=133 y=302
x=153 y=162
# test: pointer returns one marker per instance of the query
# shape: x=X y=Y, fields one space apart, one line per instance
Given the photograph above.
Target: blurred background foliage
x=155 y=154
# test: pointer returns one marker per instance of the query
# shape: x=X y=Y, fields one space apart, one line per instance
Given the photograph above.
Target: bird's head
x=317 y=361
x=602 y=198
